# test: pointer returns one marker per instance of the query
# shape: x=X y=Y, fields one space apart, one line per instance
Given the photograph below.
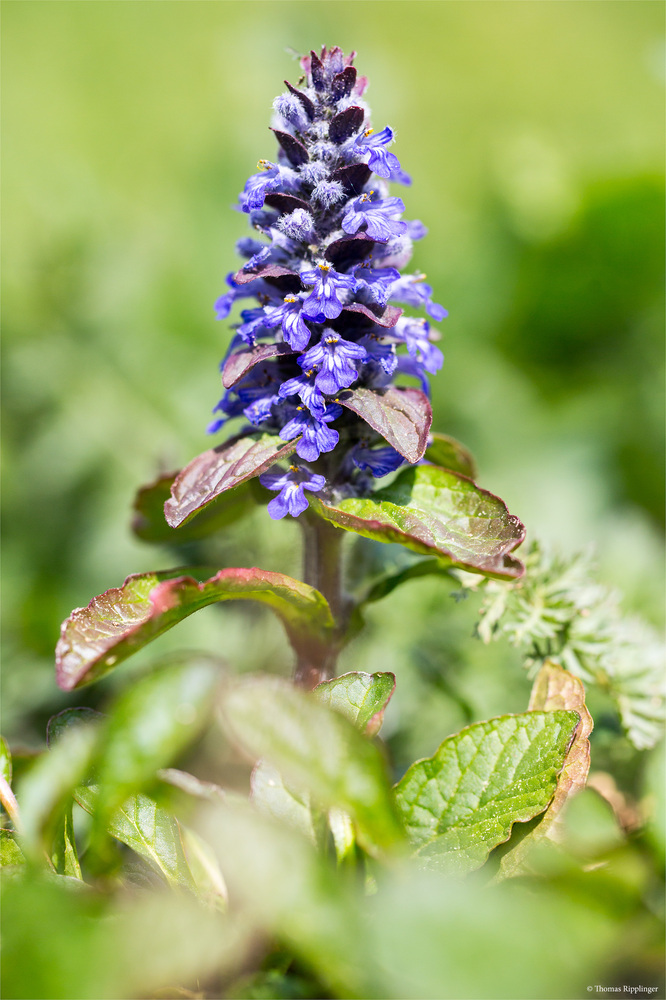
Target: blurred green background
x=534 y=135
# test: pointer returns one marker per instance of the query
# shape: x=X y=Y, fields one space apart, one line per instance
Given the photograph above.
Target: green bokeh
x=534 y=135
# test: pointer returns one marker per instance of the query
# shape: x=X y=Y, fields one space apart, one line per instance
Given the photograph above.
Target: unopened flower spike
x=323 y=273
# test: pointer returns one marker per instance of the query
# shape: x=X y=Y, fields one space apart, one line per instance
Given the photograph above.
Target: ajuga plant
x=322 y=877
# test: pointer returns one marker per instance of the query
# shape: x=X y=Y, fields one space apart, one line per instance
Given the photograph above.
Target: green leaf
x=361 y=698
x=122 y=620
x=314 y=749
x=435 y=512
x=450 y=454
x=45 y=790
x=5 y=761
x=461 y=802
x=270 y=794
x=150 y=525
x=11 y=854
x=555 y=689
x=149 y=725
x=220 y=469
x=402 y=416
x=149 y=830
x=64 y=854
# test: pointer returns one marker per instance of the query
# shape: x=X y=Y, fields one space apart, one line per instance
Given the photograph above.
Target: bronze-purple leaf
x=122 y=620
x=401 y=416
x=346 y=124
x=285 y=202
x=306 y=103
x=269 y=270
x=239 y=364
x=342 y=84
x=387 y=318
x=220 y=469
x=353 y=177
x=150 y=525
x=349 y=250
x=437 y=513
x=295 y=151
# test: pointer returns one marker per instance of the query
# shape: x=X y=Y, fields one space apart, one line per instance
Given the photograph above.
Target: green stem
x=322 y=569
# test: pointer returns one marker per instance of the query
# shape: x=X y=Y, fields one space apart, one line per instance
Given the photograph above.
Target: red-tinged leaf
x=285 y=202
x=448 y=453
x=244 y=277
x=388 y=318
x=401 y=416
x=346 y=124
x=353 y=177
x=221 y=469
x=436 y=512
x=239 y=364
x=122 y=620
x=150 y=525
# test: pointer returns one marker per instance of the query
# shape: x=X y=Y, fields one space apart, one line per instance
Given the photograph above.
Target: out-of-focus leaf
x=241 y=362
x=436 y=512
x=70 y=718
x=150 y=525
x=192 y=785
x=402 y=416
x=64 y=854
x=204 y=868
x=120 y=621
x=46 y=788
x=220 y=469
x=314 y=749
x=450 y=454
x=361 y=698
x=5 y=761
x=270 y=794
x=461 y=802
x=149 y=725
x=149 y=830
x=11 y=854
x=102 y=948
x=555 y=689
x=293 y=893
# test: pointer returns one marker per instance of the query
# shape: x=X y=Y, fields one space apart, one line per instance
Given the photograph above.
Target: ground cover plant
x=314 y=865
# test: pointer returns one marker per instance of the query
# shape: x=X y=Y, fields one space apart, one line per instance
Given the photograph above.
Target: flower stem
x=322 y=569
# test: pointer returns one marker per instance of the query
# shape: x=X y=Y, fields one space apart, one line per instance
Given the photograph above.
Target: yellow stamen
x=368 y=131
x=290 y=298
x=324 y=267
x=294 y=468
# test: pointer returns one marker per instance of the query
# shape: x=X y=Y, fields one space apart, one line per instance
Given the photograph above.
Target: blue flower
x=416 y=335
x=316 y=435
x=323 y=300
x=289 y=316
x=378 y=461
x=383 y=163
x=304 y=387
x=375 y=283
x=380 y=352
x=412 y=290
x=380 y=217
x=334 y=357
x=291 y=484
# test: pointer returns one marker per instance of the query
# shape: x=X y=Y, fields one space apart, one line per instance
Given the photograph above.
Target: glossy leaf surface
x=362 y=698
x=314 y=749
x=436 y=512
x=221 y=469
x=401 y=416
x=149 y=830
x=460 y=803
x=122 y=620
x=150 y=525
x=448 y=453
